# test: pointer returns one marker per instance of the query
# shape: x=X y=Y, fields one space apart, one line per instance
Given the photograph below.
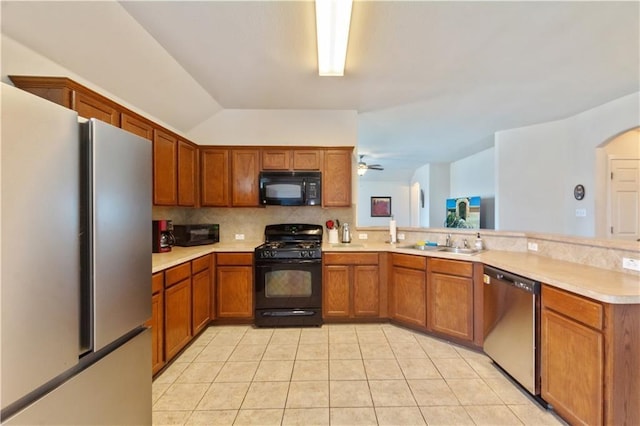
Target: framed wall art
x=380 y=206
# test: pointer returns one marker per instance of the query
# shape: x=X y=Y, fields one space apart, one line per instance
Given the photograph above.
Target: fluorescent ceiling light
x=332 y=29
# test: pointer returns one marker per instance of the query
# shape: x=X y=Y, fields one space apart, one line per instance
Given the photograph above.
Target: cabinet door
x=307 y=159
x=235 y=291
x=201 y=300
x=335 y=291
x=336 y=178
x=186 y=174
x=157 y=331
x=366 y=298
x=245 y=168
x=90 y=107
x=276 y=159
x=572 y=369
x=214 y=178
x=408 y=299
x=139 y=127
x=450 y=305
x=177 y=317
x=165 y=165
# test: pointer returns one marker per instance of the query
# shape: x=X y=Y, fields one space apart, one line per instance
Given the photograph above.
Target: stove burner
x=274 y=245
x=307 y=245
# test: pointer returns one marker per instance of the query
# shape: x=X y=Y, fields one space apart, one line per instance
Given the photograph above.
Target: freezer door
x=121 y=231
x=114 y=391
x=40 y=243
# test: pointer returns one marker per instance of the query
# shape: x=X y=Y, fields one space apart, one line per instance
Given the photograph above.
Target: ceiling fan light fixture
x=333 y=18
x=362 y=169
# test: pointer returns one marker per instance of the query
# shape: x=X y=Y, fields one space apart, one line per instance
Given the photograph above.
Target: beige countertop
x=596 y=283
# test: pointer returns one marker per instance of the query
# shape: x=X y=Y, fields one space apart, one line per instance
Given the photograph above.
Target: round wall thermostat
x=578 y=192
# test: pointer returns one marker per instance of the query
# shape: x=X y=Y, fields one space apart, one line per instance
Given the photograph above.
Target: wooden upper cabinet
x=214 y=177
x=245 y=168
x=276 y=159
x=94 y=107
x=336 y=178
x=187 y=155
x=165 y=191
x=307 y=159
x=55 y=89
x=68 y=93
x=136 y=125
x=291 y=159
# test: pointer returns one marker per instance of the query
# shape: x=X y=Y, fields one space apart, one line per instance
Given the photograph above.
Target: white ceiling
x=431 y=81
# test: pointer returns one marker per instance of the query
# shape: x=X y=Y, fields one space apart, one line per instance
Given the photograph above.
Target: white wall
x=434 y=180
x=400 y=194
x=278 y=127
x=475 y=175
x=538 y=166
x=18 y=59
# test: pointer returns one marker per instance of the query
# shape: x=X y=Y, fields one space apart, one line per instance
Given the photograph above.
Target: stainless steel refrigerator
x=76 y=267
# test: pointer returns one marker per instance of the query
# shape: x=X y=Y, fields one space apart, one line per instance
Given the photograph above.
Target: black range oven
x=288 y=276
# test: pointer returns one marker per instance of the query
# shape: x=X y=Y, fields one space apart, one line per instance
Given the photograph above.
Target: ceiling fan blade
x=375 y=167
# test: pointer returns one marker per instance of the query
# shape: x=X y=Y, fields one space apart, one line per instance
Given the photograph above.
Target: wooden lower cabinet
x=450 y=301
x=234 y=285
x=201 y=292
x=177 y=309
x=351 y=285
x=590 y=352
x=407 y=296
x=156 y=322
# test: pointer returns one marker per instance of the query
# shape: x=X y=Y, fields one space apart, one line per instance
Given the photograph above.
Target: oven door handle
x=276 y=262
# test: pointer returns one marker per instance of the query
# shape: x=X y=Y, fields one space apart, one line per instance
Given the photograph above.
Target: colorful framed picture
x=380 y=206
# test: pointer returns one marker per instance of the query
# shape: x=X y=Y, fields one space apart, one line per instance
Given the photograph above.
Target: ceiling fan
x=363 y=167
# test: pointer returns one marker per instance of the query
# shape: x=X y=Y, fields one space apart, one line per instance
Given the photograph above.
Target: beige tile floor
x=371 y=374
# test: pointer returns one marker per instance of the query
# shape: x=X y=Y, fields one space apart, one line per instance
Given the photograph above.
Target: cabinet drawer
x=157 y=282
x=234 y=259
x=588 y=312
x=408 y=261
x=451 y=267
x=201 y=263
x=351 y=258
x=177 y=274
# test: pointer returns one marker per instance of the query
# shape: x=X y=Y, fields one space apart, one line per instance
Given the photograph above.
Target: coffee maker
x=163 y=238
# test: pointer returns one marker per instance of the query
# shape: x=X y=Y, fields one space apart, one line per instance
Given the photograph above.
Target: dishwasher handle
x=492 y=274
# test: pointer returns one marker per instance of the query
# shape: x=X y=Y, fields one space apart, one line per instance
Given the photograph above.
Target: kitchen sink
x=460 y=250
x=445 y=249
x=423 y=248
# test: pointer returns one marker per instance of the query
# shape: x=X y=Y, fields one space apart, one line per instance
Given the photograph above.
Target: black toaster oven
x=196 y=235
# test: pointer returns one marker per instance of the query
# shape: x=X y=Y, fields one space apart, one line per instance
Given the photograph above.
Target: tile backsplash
x=606 y=254
x=252 y=221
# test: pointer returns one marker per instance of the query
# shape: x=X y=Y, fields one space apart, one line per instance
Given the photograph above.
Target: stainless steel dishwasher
x=512 y=326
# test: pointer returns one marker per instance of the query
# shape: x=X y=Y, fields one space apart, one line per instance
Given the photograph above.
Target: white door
x=625 y=198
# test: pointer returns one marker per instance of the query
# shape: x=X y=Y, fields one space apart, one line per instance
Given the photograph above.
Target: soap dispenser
x=479 y=245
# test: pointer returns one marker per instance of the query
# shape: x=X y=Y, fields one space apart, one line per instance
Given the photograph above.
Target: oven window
x=287 y=283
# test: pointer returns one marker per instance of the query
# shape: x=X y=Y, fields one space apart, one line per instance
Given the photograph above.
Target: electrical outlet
x=239 y=236
x=629 y=263
x=532 y=246
x=581 y=212
x=400 y=237
x=363 y=236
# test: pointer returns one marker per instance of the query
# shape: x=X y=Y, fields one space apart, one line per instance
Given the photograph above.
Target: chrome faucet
x=466 y=243
x=448 y=242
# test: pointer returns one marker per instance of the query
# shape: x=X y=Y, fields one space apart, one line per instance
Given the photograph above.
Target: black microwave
x=196 y=235
x=291 y=188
